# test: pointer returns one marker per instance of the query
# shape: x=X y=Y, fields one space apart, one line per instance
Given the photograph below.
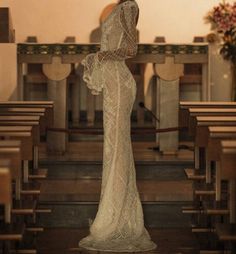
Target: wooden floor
x=93 y=151
x=169 y=241
x=58 y=189
x=89 y=190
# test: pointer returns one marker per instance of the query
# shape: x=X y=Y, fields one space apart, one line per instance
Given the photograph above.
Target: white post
x=57 y=74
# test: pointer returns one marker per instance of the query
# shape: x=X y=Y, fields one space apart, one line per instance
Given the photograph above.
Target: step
x=78 y=215
x=89 y=191
x=161 y=170
x=169 y=241
x=74 y=202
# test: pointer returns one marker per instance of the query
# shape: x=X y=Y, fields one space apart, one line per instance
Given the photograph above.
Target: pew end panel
x=5 y=193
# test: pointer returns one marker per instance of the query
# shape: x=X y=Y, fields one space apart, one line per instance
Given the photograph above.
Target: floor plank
x=89 y=190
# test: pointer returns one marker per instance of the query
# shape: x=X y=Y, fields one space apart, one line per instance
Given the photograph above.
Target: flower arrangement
x=223 y=21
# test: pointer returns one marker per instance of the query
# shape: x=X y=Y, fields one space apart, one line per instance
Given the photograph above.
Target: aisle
x=73 y=187
x=169 y=241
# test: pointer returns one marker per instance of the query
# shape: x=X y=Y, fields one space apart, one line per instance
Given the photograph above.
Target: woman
x=119 y=225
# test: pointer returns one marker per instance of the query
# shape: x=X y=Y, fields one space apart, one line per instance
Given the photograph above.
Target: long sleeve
x=93 y=73
x=124 y=42
x=128 y=45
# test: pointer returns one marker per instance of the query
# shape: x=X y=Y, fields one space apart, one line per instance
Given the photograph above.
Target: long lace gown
x=119 y=224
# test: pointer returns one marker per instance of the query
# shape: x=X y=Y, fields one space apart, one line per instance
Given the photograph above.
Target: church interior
x=183 y=124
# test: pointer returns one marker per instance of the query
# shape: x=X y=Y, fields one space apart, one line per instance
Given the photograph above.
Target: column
x=57 y=74
x=168 y=103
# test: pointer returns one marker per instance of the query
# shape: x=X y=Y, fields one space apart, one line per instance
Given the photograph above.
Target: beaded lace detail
x=119 y=224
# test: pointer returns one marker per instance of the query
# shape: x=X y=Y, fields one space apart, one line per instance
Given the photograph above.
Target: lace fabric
x=119 y=224
x=93 y=74
x=120 y=46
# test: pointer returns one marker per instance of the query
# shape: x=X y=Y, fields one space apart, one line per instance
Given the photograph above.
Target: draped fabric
x=119 y=223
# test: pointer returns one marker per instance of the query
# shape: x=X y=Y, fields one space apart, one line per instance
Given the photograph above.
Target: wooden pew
x=30 y=107
x=20 y=119
x=34 y=129
x=21 y=129
x=26 y=109
x=228 y=172
x=185 y=105
x=33 y=121
x=194 y=112
x=202 y=124
x=28 y=134
x=8 y=233
x=216 y=104
x=10 y=123
x=190 y=110
x=212 y=111
x=226 y=232
x=11 y=150
x=18 y=206
x=23 y=111
x=27 y=148
x=10 y=230
x=41 y=112
x=201 y=141
x=191 y=115
x=5 y=192
x=213 y=141
x=36 y=134
x=27 y=112
x=210 y=125
x=48 y=105
x=215 y=135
